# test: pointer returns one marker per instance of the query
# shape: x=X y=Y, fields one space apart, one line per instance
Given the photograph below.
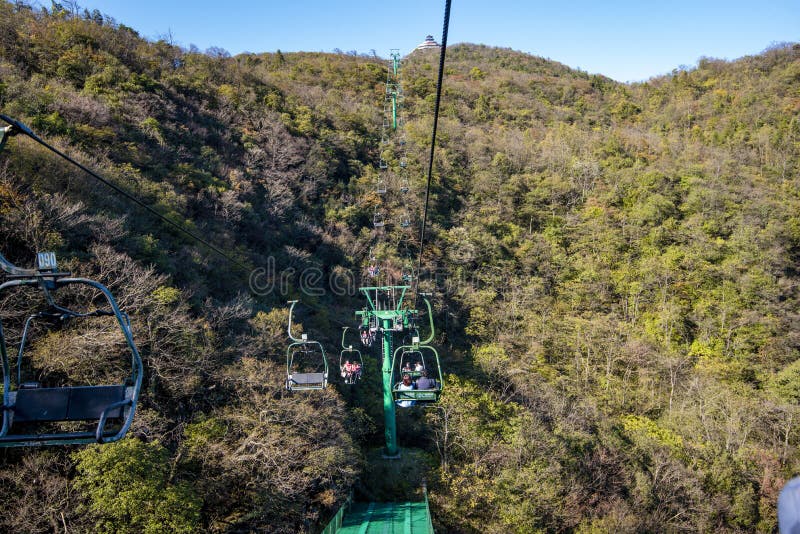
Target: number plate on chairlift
x=46 y=261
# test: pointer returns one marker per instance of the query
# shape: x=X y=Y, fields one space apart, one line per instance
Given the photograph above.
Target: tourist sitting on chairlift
x=407 y=367
x=405 y=385
x=418 y=367
x=423 y=382
x=347 y=372
x=373 y=270
x=356 y=374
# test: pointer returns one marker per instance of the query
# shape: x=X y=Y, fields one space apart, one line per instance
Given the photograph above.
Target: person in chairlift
x=405 y=385
x=423 y=382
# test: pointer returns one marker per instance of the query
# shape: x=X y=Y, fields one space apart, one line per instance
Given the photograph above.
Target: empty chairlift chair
x=306 y=364
x=405 y=185
x=45 y=414
x=407 y=274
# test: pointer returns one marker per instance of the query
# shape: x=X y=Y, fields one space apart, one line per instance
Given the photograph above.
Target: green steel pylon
x=385 y=314
x=395 y=55
x=393 y=84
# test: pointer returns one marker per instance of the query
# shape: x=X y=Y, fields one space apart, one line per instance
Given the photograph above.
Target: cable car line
x=445 y=27
x=18 y=127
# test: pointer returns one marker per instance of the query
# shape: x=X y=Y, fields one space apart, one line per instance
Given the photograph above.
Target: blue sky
x=626 y=40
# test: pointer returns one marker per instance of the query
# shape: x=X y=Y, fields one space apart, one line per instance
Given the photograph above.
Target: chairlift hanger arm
x=289 y=330
x=430 y=319
x=344 y=333
x=9 y=268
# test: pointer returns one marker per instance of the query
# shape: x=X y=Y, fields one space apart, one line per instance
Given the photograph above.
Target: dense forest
x=613 y=267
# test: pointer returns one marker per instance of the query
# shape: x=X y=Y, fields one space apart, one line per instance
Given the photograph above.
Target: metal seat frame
x=30 y=404
x=303 y=381
x=355 y=355
x=419 y=395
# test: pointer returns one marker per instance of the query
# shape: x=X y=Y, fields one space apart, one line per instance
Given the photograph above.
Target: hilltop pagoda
x=429 y=42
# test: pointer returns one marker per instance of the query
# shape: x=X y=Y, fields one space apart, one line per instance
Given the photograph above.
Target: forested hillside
x=613 y=268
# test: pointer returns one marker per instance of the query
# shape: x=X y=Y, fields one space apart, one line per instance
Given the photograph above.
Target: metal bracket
x=46 y=268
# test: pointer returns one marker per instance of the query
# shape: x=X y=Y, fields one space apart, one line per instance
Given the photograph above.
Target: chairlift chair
x=5 y=133
x=377 y=220
x=352 y=355
x=367 y=337
x=409 y=358
x=416 y=352
x=429 y=358
x=407 y=274
x=32 y=414
x=306 y=364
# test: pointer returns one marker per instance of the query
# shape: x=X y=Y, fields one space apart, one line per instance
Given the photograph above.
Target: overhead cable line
x=445 y=27
x=18 y=127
